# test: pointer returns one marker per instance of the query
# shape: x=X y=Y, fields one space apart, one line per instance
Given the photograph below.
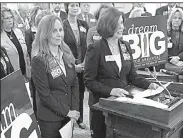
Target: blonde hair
x=134 y=12
x=40 y=45
x=169 y=21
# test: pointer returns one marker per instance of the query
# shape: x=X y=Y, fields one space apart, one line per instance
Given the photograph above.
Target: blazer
x=63 y=15
x=57 y=94
x=29 y=38
x=92 y=36
x=12 y=50
x=177 y=48
x=70 y=40
x=91 y=19
x=101 y=76
x=164 y=10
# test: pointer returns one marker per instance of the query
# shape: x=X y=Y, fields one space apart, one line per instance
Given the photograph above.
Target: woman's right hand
x=79 y=68
x=74 y=114
x=119 y=92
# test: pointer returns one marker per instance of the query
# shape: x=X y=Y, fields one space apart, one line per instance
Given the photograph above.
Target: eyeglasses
x=8 y=18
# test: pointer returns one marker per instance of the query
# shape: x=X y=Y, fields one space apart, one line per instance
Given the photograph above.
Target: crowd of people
x=63 y=53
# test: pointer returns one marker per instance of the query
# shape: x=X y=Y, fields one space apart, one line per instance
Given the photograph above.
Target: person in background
x=75 y=37
x=92 y=35
x=166 y=10
x=175 y=47
x=58 y=12
x=5 y=65
x=86 y=15
x=30 y=33
x=22 y=17
x=138 y=6
x=13 y=41
x=36 y=15
x=108 y=4
x=109 y=66
x=54 y=76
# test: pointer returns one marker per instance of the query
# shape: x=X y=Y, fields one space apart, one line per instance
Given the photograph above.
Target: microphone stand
x=170 y=96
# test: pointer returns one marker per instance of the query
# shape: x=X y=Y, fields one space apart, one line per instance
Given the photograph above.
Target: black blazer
x=164 y=10
x=101 y=76
x=29 y=38
x=70 y=40
x=63 y=15
x=56 y=95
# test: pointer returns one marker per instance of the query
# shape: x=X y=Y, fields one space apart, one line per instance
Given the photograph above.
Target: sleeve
x=181 y=56
x=28 y=41
x=134 y=78
x=75 y=94
x=89 y=37
x=91 y=72
x=40 y=78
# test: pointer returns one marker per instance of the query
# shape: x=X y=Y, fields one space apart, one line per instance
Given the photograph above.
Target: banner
x=148 y=40
x=17 y=116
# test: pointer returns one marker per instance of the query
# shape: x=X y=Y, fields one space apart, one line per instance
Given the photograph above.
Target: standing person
x=175 y=33
x=109 y=66
x=58 y=12
x=166 y=10
x=85 y=15
x=92 y=35
x=53 y=73
x=75 y=37
x=13 y=41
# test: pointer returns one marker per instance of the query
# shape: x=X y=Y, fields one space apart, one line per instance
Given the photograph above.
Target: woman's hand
x=119 y=92
x=79 y=68
x=153 y=86
x=74 y=114
x=174 y=60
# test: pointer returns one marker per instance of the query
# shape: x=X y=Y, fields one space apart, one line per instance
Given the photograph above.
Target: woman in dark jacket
x=109 y=67
x=54 y=76
x=75 y=33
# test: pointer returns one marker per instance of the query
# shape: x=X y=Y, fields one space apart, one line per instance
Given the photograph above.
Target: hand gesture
x=119 y=92
x=74 y=114
x=79 y=68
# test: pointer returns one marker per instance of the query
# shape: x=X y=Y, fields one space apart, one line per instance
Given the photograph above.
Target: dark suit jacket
x=29 y=38
x=63 y=15
x=70 y=40
x=57 y=95
x=164 y=10
x=91 y=19
x=101 y=77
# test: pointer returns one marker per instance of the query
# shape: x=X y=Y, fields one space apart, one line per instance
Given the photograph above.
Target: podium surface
x=125 y=120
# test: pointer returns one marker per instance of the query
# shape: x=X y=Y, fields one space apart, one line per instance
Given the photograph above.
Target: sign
x=148 y=40
x=17 y=116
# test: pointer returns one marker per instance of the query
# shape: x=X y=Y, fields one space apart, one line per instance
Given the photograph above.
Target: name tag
x=55 y=72
x=109 y=58
x=92 y=20
x=126 y=56
x=96 y=37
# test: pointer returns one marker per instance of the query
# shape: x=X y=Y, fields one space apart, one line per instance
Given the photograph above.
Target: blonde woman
x=175 y=33
x=53 y=73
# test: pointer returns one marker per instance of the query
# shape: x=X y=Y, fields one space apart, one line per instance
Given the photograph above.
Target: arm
x=28 y=41
x=39 y=76
x=91 y=72
x=89 y=37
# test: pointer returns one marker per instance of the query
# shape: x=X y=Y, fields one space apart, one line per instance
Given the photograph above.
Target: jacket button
x=65 y=85
x=66 y=94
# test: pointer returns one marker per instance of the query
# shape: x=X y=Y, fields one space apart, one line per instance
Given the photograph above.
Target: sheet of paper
x=142 y=101
x=149 y=92
x=67 y=130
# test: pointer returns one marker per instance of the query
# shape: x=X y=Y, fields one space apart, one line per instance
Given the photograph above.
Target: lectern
x=126 y=120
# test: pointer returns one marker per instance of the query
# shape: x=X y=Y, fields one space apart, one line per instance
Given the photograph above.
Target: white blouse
x=117 y=58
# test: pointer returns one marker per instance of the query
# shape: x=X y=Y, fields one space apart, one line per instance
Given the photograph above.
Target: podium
x=126 y=120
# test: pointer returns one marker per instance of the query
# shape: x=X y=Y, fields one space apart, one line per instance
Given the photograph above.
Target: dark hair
x=33 y=14
x=97 y=13
x=66 y=5
x=108 y=23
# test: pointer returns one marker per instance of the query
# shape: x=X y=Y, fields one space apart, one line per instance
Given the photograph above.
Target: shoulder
x=37 y=59
x=84 y=23
x=162 y=8
x=91 y=15
x=17 y=31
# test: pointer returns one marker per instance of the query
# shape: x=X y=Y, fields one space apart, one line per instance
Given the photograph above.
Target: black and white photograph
x=104 y=69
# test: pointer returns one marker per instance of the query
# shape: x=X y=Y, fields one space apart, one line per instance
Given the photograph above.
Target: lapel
x=107 y=52
x=7 y=40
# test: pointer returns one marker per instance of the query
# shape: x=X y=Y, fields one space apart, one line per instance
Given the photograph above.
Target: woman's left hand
x=153 y=86
x=175 y=59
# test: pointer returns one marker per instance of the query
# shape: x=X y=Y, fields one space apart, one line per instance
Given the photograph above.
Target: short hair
x=33 y=14
x=107 y=24
x=40 y=16
x=169 y=21
x=134 y=11
x=66 y=5
x=6 y=9
x=97 y=13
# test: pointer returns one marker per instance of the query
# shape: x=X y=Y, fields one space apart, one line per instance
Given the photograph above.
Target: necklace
x=10 y=35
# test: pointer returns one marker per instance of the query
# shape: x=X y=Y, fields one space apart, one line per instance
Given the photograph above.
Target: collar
x=172 y=7
x=59 y=52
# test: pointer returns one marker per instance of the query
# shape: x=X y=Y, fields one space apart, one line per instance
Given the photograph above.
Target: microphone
x=170 y=96
x=168 y=72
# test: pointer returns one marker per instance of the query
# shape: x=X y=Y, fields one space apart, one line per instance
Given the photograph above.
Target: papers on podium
x=67 y=130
